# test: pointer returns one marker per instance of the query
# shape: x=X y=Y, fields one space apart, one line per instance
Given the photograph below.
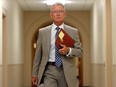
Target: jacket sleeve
x=38 y=55
x=77 y=50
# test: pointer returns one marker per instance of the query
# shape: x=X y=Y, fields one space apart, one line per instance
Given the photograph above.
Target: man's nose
x=58 y=13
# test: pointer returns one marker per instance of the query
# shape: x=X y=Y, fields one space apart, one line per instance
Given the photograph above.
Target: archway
x=31 y=32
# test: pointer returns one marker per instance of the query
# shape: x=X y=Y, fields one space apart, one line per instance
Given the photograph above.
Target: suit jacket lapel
x=48 y=36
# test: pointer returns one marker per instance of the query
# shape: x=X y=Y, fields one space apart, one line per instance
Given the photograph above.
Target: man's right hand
x=35 y=80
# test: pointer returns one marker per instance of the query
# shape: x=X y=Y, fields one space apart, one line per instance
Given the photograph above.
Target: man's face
x=58 y=14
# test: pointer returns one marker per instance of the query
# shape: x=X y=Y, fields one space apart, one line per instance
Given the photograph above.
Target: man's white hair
x=56 y=4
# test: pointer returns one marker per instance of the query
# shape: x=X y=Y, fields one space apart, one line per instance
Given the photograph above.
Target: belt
x=51 y=63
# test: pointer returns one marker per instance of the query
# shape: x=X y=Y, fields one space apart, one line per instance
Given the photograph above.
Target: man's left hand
x=64 y=50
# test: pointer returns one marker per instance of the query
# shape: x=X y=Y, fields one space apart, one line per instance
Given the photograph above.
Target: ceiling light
x=51 y=2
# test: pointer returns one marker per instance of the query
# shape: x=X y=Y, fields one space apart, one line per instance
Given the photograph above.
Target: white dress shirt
x=52 y=47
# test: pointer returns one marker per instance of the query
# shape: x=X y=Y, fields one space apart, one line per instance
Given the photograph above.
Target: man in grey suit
x=45 y=68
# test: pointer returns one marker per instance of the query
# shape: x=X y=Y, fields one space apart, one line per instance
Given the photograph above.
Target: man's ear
x=51 y=15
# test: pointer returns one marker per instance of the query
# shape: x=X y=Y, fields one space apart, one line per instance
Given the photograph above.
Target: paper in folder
x=64 y=39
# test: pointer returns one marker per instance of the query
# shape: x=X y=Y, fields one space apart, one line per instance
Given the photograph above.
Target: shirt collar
x=54 y=26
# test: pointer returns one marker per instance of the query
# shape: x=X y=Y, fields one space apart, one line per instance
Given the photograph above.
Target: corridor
x=20 y=21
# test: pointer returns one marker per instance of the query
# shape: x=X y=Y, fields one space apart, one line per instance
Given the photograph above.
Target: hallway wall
x=0 y=33
x=1 y=77
x=97 y=44
x=1 y=74
x=101 y=52
x=114 y=40
x=15 y=44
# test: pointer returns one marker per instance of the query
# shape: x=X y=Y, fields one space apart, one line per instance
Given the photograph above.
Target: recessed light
x=51 y=2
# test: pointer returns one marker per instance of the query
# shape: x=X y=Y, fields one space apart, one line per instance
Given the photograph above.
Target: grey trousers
x=54 y=77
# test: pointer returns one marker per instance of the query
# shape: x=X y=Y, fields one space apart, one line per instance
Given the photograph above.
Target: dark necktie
x=58 y=60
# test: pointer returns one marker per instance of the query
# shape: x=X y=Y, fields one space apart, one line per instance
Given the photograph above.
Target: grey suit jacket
x=43 y=51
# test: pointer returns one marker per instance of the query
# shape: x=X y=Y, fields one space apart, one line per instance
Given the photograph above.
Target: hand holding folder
x=65 y=39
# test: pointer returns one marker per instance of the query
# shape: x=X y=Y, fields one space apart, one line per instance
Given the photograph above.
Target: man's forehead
x=57 y=7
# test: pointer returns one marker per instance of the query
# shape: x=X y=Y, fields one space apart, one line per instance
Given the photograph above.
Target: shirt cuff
x=68 y=54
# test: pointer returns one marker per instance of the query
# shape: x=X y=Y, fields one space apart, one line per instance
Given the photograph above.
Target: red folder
x=64 y=39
